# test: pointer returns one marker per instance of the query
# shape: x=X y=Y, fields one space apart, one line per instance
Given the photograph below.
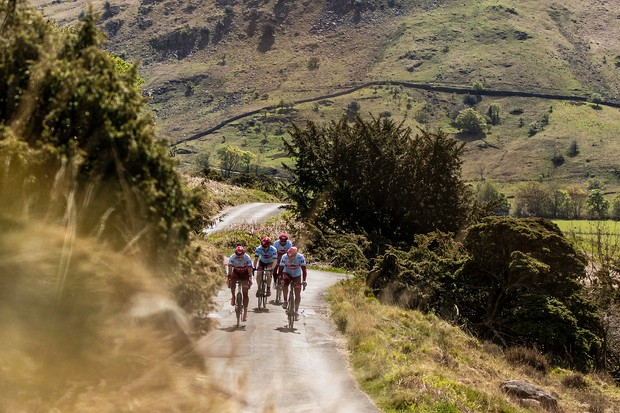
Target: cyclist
x=265 y=256
x=293 y=266
x=240 y=268
x=282 y=246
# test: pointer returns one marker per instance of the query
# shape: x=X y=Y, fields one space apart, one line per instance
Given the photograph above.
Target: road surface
x=272 y=369
x=253 y=212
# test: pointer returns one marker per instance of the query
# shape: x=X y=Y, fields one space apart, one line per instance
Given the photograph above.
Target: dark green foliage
x=493 y=113
x=83 y=111
x=422 y=277
x=470 y=121
x=573 y=149
x=557 y=159
x=374 y=178
x=522 y=285
x=514 y=281
x=491 y=199
x=346 y=251
x=353 y=109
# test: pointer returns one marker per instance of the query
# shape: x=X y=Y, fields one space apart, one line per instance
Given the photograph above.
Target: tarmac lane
x=270 y=368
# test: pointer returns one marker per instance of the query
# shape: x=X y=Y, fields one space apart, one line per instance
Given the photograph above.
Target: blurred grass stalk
x=68 y=342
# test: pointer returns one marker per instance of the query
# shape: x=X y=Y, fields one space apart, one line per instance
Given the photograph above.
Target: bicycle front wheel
x=239 y=307
x=291 y=309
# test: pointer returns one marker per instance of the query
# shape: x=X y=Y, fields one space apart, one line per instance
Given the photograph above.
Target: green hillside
x=207 y=61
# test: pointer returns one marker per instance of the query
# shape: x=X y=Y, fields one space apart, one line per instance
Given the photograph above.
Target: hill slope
x=206 y=61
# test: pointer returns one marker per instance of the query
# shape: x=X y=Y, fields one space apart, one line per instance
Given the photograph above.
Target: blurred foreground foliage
x=92 y=216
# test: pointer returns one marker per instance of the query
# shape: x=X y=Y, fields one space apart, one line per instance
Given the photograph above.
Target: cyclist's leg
x=286 y=280
x=259 y=278
x=297 y=283
x=268 y=278
x=232 y=283
x=245 y=286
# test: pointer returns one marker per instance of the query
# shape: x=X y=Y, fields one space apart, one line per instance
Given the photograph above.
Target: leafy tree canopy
x=373 y=177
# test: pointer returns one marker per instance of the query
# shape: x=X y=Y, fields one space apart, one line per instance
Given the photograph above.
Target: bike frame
x=290 y=309
x=239 y=301
x=262 y=292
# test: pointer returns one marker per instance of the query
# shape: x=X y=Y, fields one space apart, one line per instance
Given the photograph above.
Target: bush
x=527 y=356
x=575 y=381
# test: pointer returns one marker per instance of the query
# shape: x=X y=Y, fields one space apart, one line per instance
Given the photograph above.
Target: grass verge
x=410 y=361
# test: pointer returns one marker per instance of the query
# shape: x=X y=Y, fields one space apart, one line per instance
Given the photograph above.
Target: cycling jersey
x=293 y=267
x=283 y=248
x=266 y=255
x=240 y=263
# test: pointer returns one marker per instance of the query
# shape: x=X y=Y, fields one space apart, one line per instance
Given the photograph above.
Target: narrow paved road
x=253 y=212
x=272 y=369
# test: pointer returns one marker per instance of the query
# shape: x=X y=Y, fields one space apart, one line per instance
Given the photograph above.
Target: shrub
x=527 y=356
x=575 y=381
x=313 y=63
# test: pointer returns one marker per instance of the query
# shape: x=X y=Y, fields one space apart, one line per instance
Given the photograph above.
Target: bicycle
x=239 y=303
x=290 y=309
x=279 y=290
x=262 y=292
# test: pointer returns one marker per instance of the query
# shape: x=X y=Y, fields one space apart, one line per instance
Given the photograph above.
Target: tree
x=373 y=177
x=523 y=285
x=493 y=113
x=470 y=121
x=488 y=194
x=597 y=204
x=230 y=157
x=615 y=208
x=203 y=162
x=353 y=109
x=533 y=199
x=246 y=159
x=577 y=199
x=573 y=149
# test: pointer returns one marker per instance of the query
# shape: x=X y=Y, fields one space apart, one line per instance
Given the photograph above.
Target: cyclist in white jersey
x=293 y=266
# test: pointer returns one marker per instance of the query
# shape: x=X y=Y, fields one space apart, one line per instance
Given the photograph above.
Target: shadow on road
x=232 y=329
x=287 y=330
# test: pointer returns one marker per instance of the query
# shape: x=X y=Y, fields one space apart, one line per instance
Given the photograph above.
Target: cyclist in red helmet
x=240 y=267
x=282 y=246
x=265 y=257
x=293 y=266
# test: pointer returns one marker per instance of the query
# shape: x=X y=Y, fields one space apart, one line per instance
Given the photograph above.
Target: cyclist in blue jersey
x=293 y=266
x=282 y=246
x=265 y=256
x=240 y=268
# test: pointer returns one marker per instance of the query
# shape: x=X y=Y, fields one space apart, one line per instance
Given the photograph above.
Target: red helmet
x=283 y=237
x=265 y=242
x=239 y=250
x=291 y=251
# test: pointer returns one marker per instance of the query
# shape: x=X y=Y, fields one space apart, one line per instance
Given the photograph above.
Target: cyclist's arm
x=304 y=272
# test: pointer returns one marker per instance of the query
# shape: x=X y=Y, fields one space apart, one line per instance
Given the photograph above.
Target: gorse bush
x=513 y=281
x=64 y=97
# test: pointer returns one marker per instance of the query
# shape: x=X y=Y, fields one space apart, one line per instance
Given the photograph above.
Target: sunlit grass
x=410 y=361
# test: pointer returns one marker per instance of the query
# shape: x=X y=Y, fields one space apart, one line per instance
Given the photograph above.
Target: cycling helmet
x=283 y=237
x=239 y=250
x=265 y=242
x=292 y=251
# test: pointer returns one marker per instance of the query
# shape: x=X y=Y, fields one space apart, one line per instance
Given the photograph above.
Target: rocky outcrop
x=529 y=395
x=181 y=42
